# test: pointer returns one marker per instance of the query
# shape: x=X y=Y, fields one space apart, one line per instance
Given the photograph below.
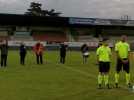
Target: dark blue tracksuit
x=63 y=48
x=22 y=54
x=4 y=53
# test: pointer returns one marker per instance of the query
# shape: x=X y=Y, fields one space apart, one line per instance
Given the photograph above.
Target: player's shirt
x=63 y=49
x=23 y=49
x=4 y=49
x=123 y=49
x=38 y=48
x=104 y=52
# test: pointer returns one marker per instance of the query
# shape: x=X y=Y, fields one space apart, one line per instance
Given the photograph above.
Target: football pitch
x=54 y=81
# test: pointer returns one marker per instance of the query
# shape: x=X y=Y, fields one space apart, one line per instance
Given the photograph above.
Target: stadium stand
x=88 y=38
x=4 y=35
x=23 y=36
x=64 y=29
x=83 y=34
x=50 y=37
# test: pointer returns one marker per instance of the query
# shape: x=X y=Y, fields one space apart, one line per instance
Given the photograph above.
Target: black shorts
x=120 y=65
x=104 y=67
x=85 y=56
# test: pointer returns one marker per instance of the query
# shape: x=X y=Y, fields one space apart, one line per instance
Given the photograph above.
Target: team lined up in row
x=122 y=49
x=38 y=49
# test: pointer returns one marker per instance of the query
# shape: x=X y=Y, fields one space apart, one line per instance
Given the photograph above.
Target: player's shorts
x=63 y=55
x=104 y=67
x=120 y=65
x=86 y=54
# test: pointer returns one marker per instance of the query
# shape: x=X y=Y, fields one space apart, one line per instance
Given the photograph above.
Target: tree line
x=35 y=9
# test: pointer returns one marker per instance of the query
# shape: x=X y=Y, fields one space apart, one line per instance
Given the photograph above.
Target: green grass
x=54 y=81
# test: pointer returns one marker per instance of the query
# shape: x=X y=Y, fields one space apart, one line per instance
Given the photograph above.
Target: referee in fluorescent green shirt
x=122 y=49
x=103 y=58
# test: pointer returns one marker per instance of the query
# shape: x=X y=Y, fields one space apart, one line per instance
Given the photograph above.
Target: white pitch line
x=79 y=71
x=85 y=73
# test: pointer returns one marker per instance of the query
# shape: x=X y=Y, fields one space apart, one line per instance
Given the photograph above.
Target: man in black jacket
x=63 y=49
x=4 y=53
x=23 y=52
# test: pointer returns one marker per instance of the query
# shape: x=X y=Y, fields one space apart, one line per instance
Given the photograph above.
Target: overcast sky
x=75 y=8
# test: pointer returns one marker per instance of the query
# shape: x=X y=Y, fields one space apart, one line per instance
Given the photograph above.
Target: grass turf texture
x=54 y=81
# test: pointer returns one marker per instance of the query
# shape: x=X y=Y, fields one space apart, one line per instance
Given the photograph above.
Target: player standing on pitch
x=38 y=49
x=103 y=58
x=122 y=49
x=63 y=49
x=85 y=52
x=4 y=53
x=23 y=53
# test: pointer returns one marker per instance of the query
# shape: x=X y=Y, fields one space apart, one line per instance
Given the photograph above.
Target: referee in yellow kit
x=103 y=58
x=122 y=49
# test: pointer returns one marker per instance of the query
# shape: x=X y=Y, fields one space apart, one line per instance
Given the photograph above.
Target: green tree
x=36 y=10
